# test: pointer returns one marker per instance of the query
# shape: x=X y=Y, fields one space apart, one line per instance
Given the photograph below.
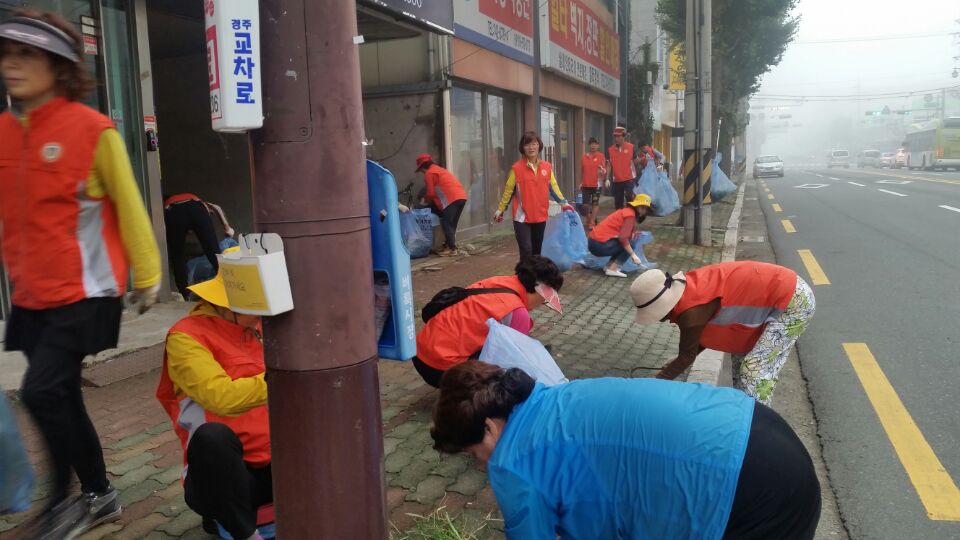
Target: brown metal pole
x=310 y=187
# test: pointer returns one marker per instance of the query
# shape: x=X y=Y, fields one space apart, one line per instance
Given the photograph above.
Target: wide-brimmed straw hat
x=655 y=293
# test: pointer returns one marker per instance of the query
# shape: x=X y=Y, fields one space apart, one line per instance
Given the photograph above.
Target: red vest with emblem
x=590 y=169
x=458 y=332
x=621 y=162
x=60 y=245
x=240 y=354
x=751 y=295
x=610 y=227
x=532 y=191
x=180 y=197
x=646 y=153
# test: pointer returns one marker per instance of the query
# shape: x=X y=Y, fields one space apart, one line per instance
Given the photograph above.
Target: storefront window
x=557 y=144
x=504 y=135
x=466 y=109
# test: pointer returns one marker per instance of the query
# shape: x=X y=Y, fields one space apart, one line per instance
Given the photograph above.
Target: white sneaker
x=613 y=273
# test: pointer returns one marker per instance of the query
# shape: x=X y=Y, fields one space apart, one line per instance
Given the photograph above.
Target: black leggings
x=529 y=237
x=778 y=494
x=55 y=342
x=181 y=218
x=621 y=191
x=220 y=485
x=449 y=218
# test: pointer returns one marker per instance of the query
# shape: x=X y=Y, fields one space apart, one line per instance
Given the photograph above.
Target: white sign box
x=233 y=64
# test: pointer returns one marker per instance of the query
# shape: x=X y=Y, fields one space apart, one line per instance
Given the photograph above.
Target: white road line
x=952 y=209
x=892 y=192
x=856 y=184
x=832 y=178
x=818 y=174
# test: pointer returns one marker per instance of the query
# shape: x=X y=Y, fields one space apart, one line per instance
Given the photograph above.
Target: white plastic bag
x=507 y=348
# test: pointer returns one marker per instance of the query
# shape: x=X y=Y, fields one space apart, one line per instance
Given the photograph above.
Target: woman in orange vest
x=213 y=388
x=457 y=333
x=623 y=167
x=611 y=238
x=447 y=198
x=73 y=224
x=592 y=168
x=755 y=311
x=531 y=184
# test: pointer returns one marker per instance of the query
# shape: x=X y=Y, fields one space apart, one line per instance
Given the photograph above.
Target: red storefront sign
x=578 y=30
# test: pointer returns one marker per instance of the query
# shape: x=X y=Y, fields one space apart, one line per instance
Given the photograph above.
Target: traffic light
x=873 y=113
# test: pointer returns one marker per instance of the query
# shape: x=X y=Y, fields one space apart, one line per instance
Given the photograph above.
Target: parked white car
x=768 y=166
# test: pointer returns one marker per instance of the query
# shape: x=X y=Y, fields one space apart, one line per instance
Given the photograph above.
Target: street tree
x=749 y=38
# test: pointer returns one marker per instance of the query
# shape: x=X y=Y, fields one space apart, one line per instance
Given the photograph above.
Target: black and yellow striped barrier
x=690 y=175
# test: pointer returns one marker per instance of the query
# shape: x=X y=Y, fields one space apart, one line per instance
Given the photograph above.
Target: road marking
x=770 y=196
x=893 y=193
x=766 y=189
x=923 y=179
x=776 y=208
x=856 y=184
x=945 y=207
x=788 y=226
x=937 y=491
x=811 y=186
x=832 y=178
x=818 y=174
x=896 y=182
x=813 y=267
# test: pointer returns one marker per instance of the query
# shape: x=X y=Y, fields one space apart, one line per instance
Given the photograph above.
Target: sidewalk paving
x=595 y=337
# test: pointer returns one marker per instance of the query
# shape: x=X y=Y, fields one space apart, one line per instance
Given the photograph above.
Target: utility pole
x=309 y=186
x=697 y=150
x=536 y=67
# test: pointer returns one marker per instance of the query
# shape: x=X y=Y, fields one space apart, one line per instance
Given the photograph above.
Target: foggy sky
x=858 y=68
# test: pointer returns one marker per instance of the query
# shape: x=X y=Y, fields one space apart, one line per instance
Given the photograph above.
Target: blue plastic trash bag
x=507 y=348
x=720 y=183
x=416 y=228
x=657 y=185
x=16 y=474
x=645 y=237
x=199 y=268
x=564 y=241
x=648 y=179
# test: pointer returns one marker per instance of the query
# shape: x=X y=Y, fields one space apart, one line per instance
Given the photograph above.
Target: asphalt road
x=890 y=249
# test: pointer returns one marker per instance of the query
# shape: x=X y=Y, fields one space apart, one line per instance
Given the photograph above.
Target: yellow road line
x=813 y=267
x=770 y=196
x=776 y=208
x=788 y=226
x=937 y=491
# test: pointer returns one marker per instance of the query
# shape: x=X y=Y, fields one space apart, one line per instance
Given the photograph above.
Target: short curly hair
x=535 y=269
x=73 y=81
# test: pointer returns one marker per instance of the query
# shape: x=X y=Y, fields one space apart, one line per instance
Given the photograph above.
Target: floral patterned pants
x=756 y=372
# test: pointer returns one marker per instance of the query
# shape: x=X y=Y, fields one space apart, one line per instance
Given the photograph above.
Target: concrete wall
x=193 y=157
x=395 y=61
x=402 y=127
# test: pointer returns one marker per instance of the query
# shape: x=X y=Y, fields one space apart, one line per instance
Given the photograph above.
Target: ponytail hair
x=470 y=393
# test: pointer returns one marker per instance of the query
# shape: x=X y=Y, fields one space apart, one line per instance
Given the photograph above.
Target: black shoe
x=210 y=526
x=102 y=507
x=64 y=521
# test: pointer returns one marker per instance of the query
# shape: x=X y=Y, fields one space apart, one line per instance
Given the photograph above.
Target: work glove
x=145 y=298
x=607 y=184
x=498 y=216
x=566 y=207
x=636 y=260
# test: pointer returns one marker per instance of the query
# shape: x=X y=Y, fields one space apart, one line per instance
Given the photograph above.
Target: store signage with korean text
x=580 y=45
x=434 y=14
x=233 y=64
x=502 y=26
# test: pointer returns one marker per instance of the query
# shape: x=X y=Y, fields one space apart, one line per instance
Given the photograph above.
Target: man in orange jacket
x=446 y=196
x=213 y=388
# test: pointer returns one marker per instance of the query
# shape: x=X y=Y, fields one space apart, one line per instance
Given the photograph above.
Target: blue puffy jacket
x=621 y=458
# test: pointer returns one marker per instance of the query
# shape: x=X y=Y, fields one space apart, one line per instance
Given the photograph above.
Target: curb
x=708 y=367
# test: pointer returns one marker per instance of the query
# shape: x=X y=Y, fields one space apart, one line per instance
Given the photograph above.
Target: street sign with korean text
x=678 y=68
x=233 y=64
x=502 y=26
x=580 y=43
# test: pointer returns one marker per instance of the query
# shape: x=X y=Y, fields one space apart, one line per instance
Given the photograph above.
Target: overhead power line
x=851 y=97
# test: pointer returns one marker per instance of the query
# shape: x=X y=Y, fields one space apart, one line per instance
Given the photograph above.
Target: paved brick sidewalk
x=594 y=337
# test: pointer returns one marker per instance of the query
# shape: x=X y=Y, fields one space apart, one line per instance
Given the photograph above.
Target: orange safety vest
x=646 y=153
x=458 y=332
x=180 y=197
x=590 y=169
x=532 y=195
x=621 y=161
x=751 y=295
x=241 y=355
x=446 y=187
x=60 y=245
x=610 y=227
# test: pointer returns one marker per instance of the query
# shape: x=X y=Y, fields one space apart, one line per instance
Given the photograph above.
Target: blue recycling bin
x=393 y=281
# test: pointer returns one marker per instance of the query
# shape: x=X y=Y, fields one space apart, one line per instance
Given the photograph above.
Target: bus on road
x=934 y=144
